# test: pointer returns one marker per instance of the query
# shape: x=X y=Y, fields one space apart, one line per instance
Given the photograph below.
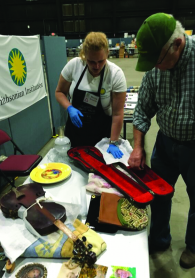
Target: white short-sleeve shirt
x=114 y=81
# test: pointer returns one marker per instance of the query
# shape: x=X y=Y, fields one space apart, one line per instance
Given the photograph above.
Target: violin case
x=141 y=187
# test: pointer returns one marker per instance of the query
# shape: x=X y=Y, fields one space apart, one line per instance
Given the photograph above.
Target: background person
x=97 y=91
x=167 y=90
x=132 y=44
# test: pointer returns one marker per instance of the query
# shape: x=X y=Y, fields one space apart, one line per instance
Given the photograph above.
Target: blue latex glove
x=74 y=116
x=115 y=151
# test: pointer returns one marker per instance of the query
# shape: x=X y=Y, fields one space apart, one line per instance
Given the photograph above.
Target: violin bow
x=82 y=253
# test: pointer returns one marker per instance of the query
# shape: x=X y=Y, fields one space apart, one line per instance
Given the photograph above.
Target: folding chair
x=16 y=164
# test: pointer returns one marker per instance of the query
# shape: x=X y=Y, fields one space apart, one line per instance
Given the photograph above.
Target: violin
x=45 y=217
x=26 y=196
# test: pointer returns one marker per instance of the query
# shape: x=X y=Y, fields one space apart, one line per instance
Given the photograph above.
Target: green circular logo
x=17 y=67
x=103 y=91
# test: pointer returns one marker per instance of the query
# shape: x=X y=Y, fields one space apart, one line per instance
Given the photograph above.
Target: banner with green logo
x=22 y=81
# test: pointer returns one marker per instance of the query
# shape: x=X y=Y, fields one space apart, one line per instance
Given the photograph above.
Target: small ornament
x=32 y=271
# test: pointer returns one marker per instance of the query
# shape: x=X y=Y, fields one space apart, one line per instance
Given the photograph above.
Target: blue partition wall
x=30 y=129
x=54 y=49
x=126 y=40
x=35 y=127
x=114 y=41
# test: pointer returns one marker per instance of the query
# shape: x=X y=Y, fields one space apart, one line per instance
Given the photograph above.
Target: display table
x=124 y=248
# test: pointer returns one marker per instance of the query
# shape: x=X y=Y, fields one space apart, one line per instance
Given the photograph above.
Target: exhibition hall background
x=74 y=18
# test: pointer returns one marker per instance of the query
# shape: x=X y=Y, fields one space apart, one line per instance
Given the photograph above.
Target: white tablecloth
x=123 y=248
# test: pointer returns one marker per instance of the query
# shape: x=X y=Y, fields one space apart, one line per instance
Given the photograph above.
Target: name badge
x=91 y=99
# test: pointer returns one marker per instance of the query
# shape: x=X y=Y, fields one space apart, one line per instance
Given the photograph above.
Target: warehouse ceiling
x=74 y=19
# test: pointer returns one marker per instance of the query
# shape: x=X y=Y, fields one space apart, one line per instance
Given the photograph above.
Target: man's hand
x=74 y=116
x=115 y=151
x=137 y=158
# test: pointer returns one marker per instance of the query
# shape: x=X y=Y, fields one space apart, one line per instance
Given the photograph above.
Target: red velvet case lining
x=118 y=179
x=153 y=181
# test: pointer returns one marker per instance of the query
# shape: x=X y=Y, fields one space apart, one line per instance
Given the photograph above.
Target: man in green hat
x=167 y=55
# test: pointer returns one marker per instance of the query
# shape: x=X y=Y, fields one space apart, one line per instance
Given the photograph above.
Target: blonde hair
x=94 y=41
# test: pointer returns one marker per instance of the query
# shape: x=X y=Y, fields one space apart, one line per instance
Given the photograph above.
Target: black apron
x=96 y=124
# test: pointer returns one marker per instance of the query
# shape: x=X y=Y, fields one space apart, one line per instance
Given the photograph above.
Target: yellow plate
x=50 y=173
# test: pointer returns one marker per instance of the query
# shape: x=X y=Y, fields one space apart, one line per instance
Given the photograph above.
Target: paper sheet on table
x=97 y=185
x=124 y=146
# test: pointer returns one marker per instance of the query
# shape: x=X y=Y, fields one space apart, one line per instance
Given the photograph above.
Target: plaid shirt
x=170 y=95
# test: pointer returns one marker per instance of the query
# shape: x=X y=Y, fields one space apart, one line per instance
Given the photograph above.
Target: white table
x=123 y=248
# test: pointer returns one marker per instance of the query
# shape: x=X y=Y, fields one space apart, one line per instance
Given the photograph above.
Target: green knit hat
x=151 y=37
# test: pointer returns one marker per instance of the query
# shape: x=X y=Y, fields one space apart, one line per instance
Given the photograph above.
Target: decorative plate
x=50 y=173
x=32 y=271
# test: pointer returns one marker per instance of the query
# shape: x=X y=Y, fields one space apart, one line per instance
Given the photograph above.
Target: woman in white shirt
x=93 y=91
